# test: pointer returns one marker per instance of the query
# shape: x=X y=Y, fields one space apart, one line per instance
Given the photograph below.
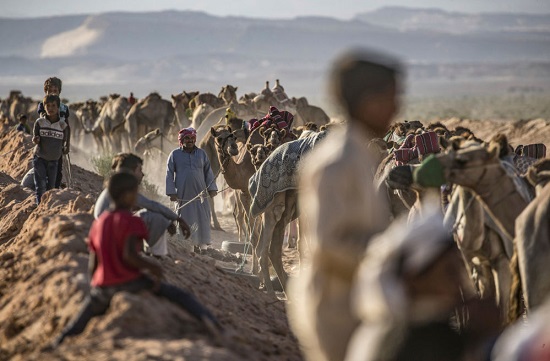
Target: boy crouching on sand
x=115 y=265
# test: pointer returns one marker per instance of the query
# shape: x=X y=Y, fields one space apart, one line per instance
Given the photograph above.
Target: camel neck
x=502 y=200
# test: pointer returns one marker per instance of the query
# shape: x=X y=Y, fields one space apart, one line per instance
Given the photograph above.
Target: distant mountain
x=174 y=50
x=407 y=19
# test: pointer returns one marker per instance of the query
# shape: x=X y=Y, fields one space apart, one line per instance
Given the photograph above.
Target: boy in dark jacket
x=52 y=86
x=50 y=134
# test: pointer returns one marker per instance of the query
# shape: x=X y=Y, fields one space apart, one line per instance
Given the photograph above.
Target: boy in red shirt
x=115 y=265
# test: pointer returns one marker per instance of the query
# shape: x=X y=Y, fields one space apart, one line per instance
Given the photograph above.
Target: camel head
x=539 y=174
x=177 y=99
x=225 y=140
x=148 y=141
x=228 y=93
x=259 y=154
x=472 y=164
x=88 y=114
x=273 y=136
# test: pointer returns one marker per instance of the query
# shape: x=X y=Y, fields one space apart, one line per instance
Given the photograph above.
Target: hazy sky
x=260 y=8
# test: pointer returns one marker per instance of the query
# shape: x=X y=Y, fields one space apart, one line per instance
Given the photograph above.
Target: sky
x=343 y=9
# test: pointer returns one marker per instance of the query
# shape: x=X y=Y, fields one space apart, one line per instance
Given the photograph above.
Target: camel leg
x=275 y=252
x=215 y=222
x=236 y=207
x=301 y=242
x=276 y=246
x=251 y=226
x=271 y=217
x=293 y=234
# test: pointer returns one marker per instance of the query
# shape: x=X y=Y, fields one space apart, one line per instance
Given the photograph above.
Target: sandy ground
x=43 y=259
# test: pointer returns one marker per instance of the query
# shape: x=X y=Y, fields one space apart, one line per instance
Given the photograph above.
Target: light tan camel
x=180 y=103
x=199 y=114
x=496 y=185
x=306 y=113
x=111 y=123
x=148 y=114
x=533 y=239
x=23 y=105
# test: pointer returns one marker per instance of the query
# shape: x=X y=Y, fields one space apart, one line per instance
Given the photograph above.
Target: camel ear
x=284 y=134
x=213 y=132
x=173 y=97
x=494 y=150
x=262 y=131
x=230 y=130
x=157 y=131
x=235 y=89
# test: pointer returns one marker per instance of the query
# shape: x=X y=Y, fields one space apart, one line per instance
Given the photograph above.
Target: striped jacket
x=53 y=137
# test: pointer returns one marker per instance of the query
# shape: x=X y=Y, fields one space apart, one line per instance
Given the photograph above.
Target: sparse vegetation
x=102 y=164
x=150 y=190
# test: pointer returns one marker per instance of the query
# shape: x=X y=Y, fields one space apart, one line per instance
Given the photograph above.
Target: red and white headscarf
x=186 y=132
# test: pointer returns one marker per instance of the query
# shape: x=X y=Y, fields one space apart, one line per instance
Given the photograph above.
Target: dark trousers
x=59 y=173
x=98 y=301
x=45 y=175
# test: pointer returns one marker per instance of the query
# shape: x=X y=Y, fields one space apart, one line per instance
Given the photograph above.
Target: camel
x=485 y=250
x=180 y=110
x=532 y=239
x=266 y=99
x=309 y=113
x=228 y=94
x=147 y=114
x=155 y=140
x=259 y=153
x=4 y=110
x=199 y=114
x=111 y=123
x=23 y=105
x=236 y=166
x=208 y=98
x=498 y=188
x=274 y=191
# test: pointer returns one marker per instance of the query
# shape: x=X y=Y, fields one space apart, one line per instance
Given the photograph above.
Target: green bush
x=102 y=164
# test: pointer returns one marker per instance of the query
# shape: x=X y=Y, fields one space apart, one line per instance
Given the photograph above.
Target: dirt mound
x=43 y=258
x=16 y=159
x=518 y=132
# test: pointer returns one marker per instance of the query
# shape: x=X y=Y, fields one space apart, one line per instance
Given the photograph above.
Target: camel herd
x=492 y=204
x=493 y=198
x=115 y=124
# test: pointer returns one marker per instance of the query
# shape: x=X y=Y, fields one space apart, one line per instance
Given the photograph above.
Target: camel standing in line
x=180 y=103
x=533 y=239
x=148 y=114
x=496 y=186
x=111 y=123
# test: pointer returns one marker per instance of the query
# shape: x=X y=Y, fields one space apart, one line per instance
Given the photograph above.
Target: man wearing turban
x=189 y=180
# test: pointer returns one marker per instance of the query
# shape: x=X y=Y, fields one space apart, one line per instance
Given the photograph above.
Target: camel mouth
x=233 y=151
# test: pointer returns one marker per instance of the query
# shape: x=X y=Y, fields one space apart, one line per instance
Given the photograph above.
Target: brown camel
x=236 y=166
x=148 y=114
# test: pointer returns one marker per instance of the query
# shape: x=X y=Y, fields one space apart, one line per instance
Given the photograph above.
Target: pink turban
x=186 y=132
